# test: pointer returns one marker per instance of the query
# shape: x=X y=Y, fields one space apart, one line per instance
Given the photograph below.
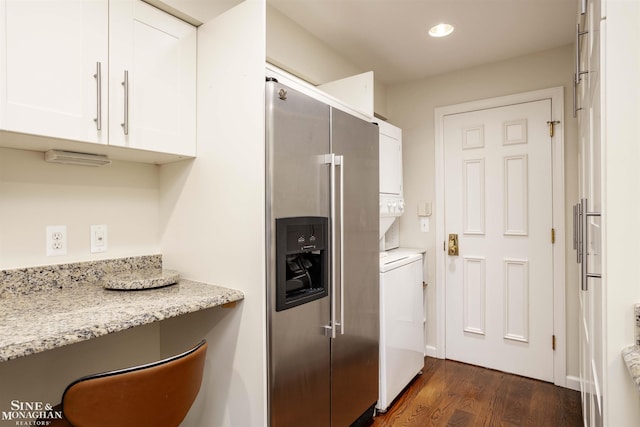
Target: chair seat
x=153 y=395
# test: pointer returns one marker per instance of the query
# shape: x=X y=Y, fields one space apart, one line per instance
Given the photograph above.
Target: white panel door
x=155 y=109
x=50 y=52
x=498 y=200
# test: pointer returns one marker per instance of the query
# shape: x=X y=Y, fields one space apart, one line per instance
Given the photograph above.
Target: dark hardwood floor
x=450 y=393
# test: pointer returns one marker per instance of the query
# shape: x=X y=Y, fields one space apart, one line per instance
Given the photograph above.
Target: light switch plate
x=98 y=238
x=424 y=224
x=424 y=209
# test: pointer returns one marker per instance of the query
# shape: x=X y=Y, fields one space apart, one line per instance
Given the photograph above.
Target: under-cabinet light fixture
x=75 y=158
x=441 y=30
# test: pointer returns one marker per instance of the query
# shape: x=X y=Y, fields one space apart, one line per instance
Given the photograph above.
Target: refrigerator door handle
x=330 y=159
x=340 y=162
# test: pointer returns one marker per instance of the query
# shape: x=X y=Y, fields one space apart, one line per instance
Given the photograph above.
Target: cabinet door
x=49 y=51
x=155 y=109
x=592 y=320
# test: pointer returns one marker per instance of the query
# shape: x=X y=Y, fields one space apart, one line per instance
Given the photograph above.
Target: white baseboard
x=573 y=383
x=430 y=351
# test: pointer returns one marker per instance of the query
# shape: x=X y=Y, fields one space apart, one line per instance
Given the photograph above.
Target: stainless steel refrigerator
x=322 y=262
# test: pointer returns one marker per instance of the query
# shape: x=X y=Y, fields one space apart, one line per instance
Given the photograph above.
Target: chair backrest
x=156 y=394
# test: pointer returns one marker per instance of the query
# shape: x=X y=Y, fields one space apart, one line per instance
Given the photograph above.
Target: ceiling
x=390 y=36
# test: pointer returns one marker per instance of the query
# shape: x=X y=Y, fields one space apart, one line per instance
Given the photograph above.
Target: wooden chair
x=157 y=394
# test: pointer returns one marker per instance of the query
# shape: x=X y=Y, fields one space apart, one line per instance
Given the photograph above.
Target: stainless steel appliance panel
x=354 y=365
x=316 y=380
x=300 y=367
x=297 y=138
x=297 y=141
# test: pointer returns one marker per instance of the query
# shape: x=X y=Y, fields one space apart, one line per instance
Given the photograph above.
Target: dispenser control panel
x=302 y=263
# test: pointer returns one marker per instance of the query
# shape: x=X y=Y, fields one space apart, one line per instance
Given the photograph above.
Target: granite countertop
x=631 y=356
x=34 y=320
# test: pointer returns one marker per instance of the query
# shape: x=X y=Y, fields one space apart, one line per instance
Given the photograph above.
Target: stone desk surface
x=631 y=356
x=37 y=321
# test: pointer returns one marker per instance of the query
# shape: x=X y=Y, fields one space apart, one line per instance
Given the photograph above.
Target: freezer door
x=297 y=134
x=354 y=364
x=297 y=138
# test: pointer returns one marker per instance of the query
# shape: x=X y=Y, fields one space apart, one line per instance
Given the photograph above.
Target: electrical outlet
x=56 y=240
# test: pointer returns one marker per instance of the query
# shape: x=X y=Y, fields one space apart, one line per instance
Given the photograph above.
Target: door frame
x=556 y=95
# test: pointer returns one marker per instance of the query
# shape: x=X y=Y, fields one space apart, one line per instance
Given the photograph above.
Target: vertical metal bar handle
x=579 y=73
x=340 y=162
x=584 y=234
x=125 y=83
x=332 y=174
x=576 y=77
x=580 y=228
x=98 y=77
x=575 y=225
x=575 y=111
x=575 y=100
x=576 y=230
x=585 y=265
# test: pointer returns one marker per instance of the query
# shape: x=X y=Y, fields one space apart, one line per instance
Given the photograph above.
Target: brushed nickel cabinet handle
x=98 y=77
x=125 y=83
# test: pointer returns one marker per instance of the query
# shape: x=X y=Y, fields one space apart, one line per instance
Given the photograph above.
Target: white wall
x=411 y=107
x=34 y=194
x=293 y=49
x=213 y=219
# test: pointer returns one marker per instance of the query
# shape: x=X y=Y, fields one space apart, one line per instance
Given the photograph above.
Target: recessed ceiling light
x=441 y=30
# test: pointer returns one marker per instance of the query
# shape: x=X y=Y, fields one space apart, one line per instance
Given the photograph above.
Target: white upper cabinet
x=390 y=159
x=354 y=91
x=154 y=107
x=49 y=54
x=62 y=68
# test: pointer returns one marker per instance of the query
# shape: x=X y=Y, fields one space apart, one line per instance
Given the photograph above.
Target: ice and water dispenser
x=302 y=264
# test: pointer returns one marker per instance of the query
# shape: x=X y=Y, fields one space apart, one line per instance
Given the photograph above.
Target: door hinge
x=553 y=342
x=553 y=235
x=551 y=125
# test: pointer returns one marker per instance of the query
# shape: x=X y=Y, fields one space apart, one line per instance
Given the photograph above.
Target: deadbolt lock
x=453 y=245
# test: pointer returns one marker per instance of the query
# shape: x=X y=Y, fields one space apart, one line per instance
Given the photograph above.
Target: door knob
x=453 y=245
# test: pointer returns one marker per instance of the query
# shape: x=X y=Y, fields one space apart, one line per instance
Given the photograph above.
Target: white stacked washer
x=401 y=322
x=391 y=198
x=401 y=276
